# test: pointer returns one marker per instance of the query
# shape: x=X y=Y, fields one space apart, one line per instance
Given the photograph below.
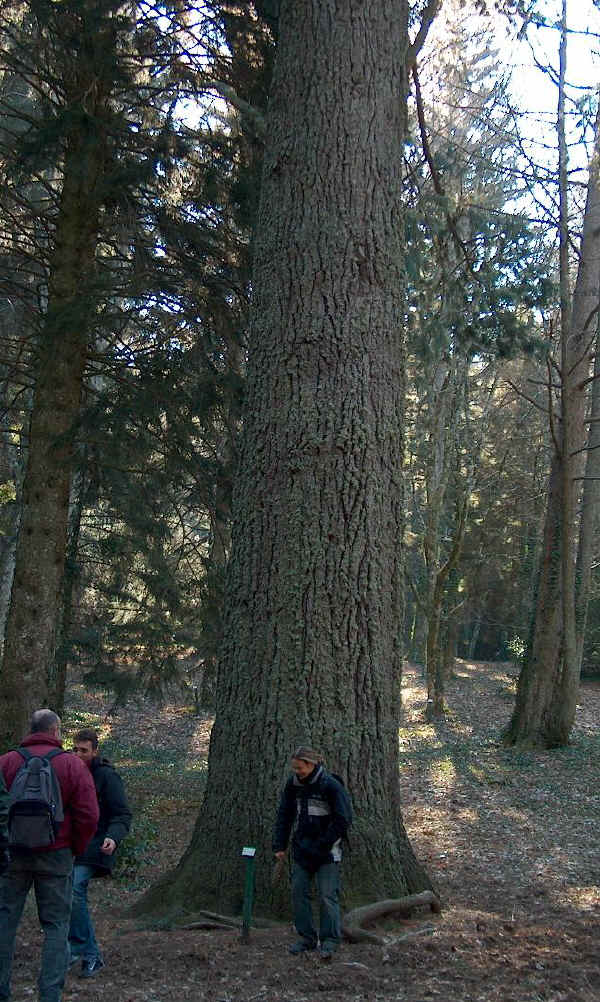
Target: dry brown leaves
x=509 y=838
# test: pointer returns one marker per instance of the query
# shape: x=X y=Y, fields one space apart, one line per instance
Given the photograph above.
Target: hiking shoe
x=326 y=953
x=301 y=947
x=90 y=968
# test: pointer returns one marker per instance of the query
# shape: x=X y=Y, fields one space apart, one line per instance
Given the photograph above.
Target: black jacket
x=319 y=807
x=115 y=816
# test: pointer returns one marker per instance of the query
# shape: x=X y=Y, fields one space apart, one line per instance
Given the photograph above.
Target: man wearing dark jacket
x=319 y=807
x=98 y=859
x=48 y=869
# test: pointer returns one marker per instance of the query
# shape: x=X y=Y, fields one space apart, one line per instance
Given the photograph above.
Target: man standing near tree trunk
x=98 y=859
x=48 y=867
x=319 y=807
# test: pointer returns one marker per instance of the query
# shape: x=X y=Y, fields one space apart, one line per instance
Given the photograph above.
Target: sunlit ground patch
x=584 y=898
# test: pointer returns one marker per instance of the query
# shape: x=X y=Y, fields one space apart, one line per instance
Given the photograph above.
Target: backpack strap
x=27 y=755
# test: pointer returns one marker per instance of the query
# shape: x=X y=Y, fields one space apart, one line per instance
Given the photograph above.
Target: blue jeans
x=82 y=938
x=327 y=879
x=50 y=874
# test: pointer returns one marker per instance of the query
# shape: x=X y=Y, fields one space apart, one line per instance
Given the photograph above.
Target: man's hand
x=108 y=846
x=279 y=867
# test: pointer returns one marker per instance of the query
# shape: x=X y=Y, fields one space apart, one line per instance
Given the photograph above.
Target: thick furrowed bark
x=313 y=615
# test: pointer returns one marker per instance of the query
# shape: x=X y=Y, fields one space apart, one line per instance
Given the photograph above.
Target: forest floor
x=509 y=838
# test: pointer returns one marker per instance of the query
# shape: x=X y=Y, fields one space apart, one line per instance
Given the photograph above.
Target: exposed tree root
x=209 y=924
x=212 y=920
x=353 y=921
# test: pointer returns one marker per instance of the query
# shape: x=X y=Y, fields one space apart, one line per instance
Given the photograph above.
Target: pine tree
x=475 y=282
x=102 y=79
x=546 y=701
x=313 y=608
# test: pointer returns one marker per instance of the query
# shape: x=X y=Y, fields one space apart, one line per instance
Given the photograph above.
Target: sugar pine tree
x=312 y=616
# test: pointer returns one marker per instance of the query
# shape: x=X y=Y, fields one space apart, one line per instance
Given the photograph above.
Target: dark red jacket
x=76 y=786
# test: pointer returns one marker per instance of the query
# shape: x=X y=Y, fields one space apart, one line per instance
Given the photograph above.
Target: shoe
x=301 y=947
x=325 y=953
x=90 y=968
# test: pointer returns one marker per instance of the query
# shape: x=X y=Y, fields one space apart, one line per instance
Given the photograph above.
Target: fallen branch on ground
x=212 y=920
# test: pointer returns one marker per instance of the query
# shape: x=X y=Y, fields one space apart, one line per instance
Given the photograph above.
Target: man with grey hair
x=49 y=867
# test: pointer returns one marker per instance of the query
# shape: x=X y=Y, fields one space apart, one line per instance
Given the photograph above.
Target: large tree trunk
x=34 y=615
x=313 y=612
x=547 y=690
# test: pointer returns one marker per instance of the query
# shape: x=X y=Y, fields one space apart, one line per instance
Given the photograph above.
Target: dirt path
x=510 y=838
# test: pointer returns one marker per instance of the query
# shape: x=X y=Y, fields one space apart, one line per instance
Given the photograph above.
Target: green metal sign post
x=249 y=853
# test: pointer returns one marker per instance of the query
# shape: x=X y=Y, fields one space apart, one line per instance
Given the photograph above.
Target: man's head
x=85 y=745
x=45 y=722
x=304 y=761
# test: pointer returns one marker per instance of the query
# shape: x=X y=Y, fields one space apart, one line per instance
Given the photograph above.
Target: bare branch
x=427 y=19
x=524 y=396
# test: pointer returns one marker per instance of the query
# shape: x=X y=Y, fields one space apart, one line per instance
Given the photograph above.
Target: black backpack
x=35 y=808
x=336 y=775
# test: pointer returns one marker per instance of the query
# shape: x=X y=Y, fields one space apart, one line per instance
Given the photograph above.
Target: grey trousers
x=50 y=875
x=327 y=879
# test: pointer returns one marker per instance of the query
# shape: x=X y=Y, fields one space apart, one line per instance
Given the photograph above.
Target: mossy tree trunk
x=35 y=609
x=313 y=607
